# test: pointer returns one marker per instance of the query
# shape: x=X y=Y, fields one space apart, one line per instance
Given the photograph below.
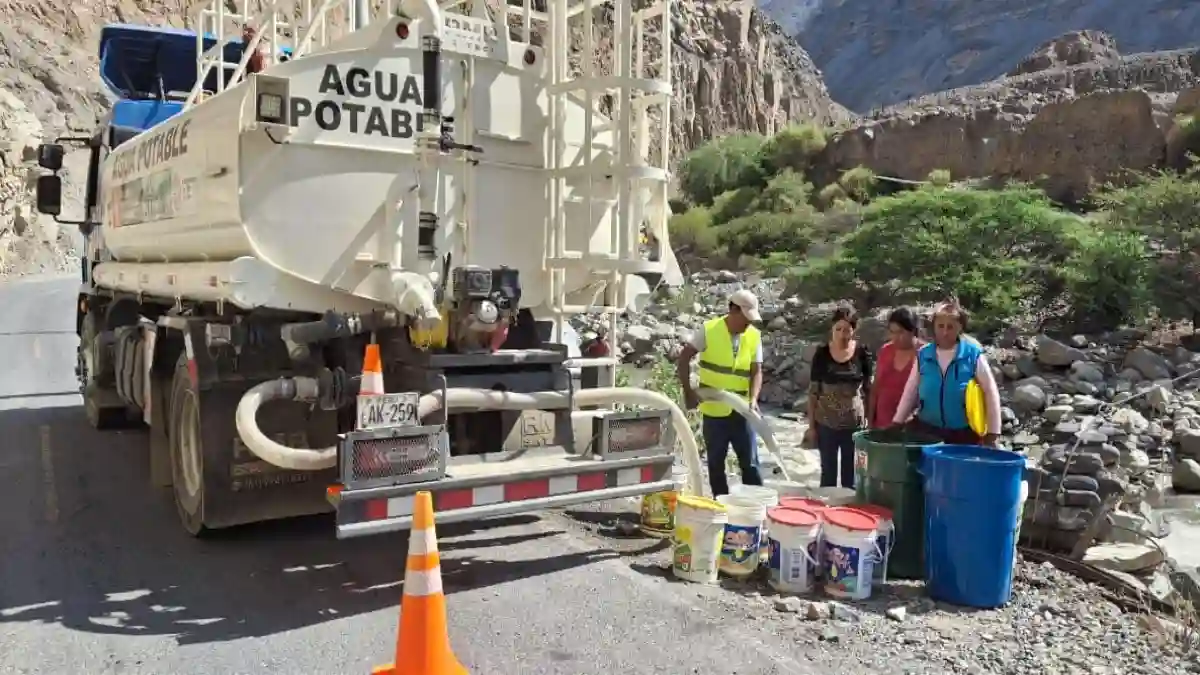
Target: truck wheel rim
x=189 y=442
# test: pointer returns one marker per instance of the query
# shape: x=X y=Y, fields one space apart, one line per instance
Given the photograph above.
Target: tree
x=692 y=232
x=997 y=250
x=1107 y=279
x=859 y=183
x=721 y=165
x=793 y=148
x=939 y=178
x=787 y=192
x=1164 y=209
x=761 y=234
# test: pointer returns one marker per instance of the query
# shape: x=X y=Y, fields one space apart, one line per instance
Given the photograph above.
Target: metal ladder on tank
x=640 y=92
x=298 y=26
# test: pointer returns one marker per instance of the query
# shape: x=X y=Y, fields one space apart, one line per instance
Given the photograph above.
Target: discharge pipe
x=307 y=389
x=756 y=421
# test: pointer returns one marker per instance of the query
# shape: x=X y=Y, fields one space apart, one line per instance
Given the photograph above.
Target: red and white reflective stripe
x=519 y=491
x=193 y=372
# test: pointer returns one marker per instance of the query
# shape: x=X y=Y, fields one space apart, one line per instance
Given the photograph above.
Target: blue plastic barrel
x=972 y=510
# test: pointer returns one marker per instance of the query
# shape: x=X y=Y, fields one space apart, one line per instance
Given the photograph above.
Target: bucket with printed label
x=886 y=537
x=792 y=546
x=850 y=548
x=658 y=509
x=740 y=551
x=766 y=496
x=696 y=539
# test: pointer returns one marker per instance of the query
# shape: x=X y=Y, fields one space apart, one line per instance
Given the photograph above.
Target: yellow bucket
x=658 y=513
x=658 y=509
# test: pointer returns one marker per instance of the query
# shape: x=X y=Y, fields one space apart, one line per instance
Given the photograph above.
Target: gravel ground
x=1055 y=624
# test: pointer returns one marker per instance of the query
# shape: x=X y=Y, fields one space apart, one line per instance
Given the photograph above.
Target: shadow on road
x=89 y=544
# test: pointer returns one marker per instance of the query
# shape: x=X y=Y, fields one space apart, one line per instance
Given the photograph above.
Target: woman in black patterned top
x=838 y=392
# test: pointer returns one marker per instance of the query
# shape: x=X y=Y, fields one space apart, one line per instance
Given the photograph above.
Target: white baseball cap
x=747 y=302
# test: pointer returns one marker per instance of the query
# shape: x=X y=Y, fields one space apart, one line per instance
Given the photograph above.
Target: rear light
x=402 y=31
x=270 y=108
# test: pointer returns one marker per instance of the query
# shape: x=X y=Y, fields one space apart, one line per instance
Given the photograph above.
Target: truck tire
x=187 y=451
x=100 y=404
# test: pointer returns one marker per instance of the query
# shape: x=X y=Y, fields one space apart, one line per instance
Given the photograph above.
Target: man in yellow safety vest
x=730 y=350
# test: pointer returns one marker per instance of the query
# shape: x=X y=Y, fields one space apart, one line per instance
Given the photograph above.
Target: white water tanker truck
x=445 y=182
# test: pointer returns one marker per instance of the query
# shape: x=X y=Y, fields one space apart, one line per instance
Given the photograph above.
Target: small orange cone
x=372 y=375
x=423 y=643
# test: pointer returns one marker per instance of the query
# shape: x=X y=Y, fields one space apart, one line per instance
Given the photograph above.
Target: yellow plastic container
x=658 y=509
x=658 y=513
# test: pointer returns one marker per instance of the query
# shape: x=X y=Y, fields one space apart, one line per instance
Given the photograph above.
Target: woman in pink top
x=893 y=367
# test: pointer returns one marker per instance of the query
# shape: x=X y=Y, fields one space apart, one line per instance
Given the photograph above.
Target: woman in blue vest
x=937 y=387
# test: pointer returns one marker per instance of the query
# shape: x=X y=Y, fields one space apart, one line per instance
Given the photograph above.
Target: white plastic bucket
x=766 y=496
x=850 y=549
x=1020 y=518
x=885 y=538
x=741 y=549
x=696 y=539
x=793 y=545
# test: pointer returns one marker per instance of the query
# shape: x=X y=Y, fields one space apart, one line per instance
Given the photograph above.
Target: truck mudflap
x=383 y=469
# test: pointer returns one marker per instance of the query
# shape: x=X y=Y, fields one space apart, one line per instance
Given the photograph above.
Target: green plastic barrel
x=886 y=464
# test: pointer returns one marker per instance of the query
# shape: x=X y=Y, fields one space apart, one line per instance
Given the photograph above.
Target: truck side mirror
x=49 y=194
x=50 y=156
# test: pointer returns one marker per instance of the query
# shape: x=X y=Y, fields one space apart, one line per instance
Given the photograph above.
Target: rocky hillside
x=876 y=52
x=735 y=69
x=1072 y=114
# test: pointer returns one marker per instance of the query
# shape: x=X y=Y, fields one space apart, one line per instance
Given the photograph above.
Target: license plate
x=388 y=410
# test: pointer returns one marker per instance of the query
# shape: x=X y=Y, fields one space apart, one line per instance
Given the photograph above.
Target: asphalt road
x=97 y=577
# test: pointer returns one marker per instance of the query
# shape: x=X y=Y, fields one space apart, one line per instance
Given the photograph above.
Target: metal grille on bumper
x=393 y=456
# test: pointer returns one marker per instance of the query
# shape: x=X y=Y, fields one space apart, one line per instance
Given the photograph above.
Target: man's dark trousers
x=719 y=434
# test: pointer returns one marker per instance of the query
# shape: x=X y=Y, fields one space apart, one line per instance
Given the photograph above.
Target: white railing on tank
x=640 y=121
x=297 y=26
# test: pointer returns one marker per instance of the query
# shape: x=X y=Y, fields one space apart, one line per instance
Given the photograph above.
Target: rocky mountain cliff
x=878 y=52
x=1073 y=115
x=734 y=70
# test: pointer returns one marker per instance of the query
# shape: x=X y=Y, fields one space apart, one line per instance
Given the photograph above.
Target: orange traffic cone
x=372 y=375
x=423 y=643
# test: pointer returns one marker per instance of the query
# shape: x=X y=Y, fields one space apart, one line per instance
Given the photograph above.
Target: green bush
x=761 y=234
x=998 y=251
x=787 y=192
x=1164 y=209
x=1107 y=279
x=734 y=204
x=832 y=196
x=793 y=148
x=859 y=183
x=939 y=178
x=692 y=232
x=721 y=165
x=778 y=263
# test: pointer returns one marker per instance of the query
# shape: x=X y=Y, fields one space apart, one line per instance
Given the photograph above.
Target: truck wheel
x=187 y=451
x=101 y=405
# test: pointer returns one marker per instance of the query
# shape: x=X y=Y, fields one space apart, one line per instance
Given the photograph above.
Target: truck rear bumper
x=486 y=491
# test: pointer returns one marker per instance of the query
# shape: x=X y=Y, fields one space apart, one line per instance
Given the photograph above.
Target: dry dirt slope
x=734 y=70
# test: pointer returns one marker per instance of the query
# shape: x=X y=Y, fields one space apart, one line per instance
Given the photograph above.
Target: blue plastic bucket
x=972 y=509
